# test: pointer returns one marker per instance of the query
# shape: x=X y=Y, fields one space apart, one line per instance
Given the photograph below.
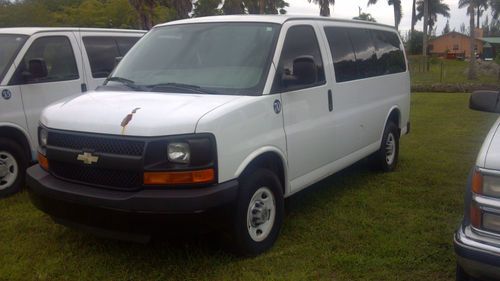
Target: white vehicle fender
x=23 y=131
x=394 y=107
x=261 y=151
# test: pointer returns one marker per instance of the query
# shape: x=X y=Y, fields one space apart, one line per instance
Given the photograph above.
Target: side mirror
x=487 y=101
x=305 y=70
x=117 y=60
x=36 y=69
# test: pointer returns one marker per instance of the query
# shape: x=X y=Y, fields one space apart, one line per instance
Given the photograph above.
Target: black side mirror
x=36 y=69
x=487 y=101
x=305 y=70
x=117 y=61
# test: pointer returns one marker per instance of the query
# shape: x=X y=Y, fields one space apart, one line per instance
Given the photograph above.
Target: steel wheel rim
x=9 y=170
x=390 y=149
x=261 y=214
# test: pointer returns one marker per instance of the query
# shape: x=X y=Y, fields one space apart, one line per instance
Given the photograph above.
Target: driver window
x=301 y=65
x=49 y=59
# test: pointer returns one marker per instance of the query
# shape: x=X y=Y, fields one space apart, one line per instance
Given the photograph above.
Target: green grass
x=453 y=72
x=355 y=225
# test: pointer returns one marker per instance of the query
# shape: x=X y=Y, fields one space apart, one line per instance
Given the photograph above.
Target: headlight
x=486 y=184
x=43 y=135
x=179 y=152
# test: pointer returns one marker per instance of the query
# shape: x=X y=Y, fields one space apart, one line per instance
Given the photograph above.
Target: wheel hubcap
x=261 y=214
x=390 y=149
x=8 y=170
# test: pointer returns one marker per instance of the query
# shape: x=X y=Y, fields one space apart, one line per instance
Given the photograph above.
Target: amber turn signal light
x=43 y=161
x=475 y=215
x=186 y=177
x=477 y=182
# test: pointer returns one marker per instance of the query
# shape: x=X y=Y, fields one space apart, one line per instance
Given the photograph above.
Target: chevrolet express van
x=236 y=112
x=39 y=66
x=477 y=239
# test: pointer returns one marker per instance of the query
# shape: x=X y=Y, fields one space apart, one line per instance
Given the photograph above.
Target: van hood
x=132 y=113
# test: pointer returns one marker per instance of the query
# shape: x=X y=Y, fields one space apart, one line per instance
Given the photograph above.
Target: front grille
x=96 y=176
x=111 y=145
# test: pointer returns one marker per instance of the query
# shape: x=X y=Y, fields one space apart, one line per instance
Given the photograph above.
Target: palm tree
x=398 y=12
x=436 y=7
x=324 y=6
x=413 y=17
x=471 y=5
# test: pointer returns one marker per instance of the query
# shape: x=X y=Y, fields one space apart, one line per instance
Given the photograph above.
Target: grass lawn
x=355 y=225
x=453 y=72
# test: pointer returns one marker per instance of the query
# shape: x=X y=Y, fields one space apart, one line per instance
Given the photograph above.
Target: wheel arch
x=394 y=114
x=270 y=158
x=19 y=135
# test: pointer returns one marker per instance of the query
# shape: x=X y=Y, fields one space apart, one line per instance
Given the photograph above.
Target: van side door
x=307 y=116
x=48 y=69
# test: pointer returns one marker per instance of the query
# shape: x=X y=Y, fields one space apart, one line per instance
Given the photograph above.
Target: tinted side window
x=344 y=61
x=52 y=58
x=389 y=53
x=366 y=58
x=300 y=65
x=125 y=43
x=102 y=52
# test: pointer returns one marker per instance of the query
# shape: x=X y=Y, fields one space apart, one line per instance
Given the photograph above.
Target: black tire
x=242 y=242
x=380 y=160
x=9 y=149
x=461 y=275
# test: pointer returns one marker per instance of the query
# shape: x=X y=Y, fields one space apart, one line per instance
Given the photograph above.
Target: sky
x=382 y=12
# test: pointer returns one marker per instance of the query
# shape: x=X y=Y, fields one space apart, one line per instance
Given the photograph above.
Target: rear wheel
x=259 y=213
x=13 y=164
x=386 y=158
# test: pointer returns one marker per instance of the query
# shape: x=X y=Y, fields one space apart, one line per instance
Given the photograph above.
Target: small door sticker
x=277 y=106
x=6 y=94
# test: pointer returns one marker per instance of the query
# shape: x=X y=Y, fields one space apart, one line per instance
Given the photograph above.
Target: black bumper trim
x=43 y=186
x=476 y=255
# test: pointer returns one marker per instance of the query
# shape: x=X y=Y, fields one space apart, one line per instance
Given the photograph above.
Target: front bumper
x=478 y=259
x=123 y=211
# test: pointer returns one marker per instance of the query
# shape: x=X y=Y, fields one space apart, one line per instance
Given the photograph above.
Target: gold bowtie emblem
x=87 y=158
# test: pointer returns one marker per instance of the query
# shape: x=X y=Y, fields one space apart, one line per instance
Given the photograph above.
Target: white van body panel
x=489 y=155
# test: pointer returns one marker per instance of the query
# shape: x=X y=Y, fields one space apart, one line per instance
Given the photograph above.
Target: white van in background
x=39 y=66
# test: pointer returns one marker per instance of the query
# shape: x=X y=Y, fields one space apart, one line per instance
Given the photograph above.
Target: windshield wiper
x=127 y=82
x=181 y=86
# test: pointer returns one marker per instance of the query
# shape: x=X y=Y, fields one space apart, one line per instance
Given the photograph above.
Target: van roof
x=279 y=19
x=32 y=30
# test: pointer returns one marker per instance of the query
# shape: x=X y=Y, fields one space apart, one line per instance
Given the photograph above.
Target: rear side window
x=361 y=53
x=49 y=59
x=103 y=51
x=390 y=56
x=344 y=60
x=301 y=65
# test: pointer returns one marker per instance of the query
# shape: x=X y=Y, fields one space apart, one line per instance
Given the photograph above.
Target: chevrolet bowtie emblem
x=87 y=158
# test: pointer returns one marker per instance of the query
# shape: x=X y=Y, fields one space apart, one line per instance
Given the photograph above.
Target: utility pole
x=424 y=46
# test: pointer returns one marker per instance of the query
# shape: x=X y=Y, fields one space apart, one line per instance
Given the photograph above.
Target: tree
x=436 y=7
x=446 y=28
x=495 y=8
x=324 y=6
x=471 y=5
x=233 y=7
x=398 y=12
x=203 y=8
x=182 y=8
x=145 y=10
x=365 y=17
x=413 y=17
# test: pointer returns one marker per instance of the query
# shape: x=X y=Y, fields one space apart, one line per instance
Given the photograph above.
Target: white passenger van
x=39 y=66
x=235 y=112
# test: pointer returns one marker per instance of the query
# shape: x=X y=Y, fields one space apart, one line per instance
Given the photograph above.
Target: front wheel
x=259 y=213
x=386 y=158
x=13 y=164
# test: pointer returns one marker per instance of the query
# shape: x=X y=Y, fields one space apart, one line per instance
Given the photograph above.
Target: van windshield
x=9 y=46
x=223 y=58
